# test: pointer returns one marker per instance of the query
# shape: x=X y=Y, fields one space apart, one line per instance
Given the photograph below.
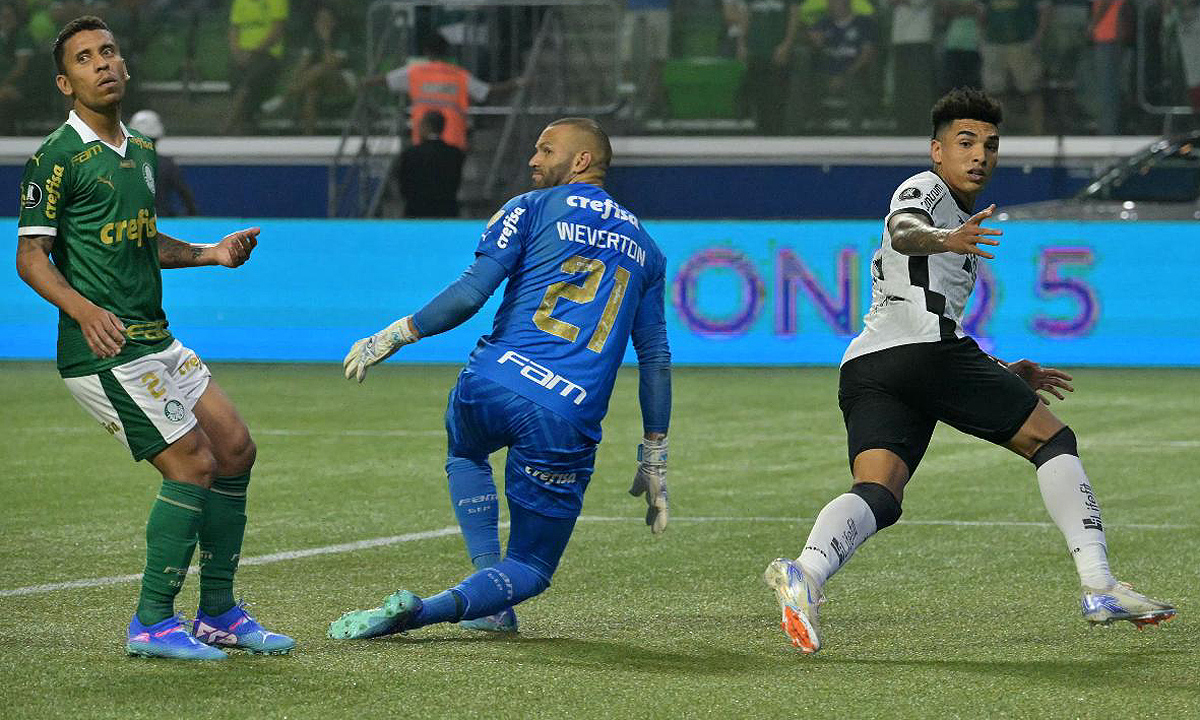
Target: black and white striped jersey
x=917 y=298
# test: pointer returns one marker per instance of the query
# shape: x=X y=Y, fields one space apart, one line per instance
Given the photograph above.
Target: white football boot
x=799 y=600
x=1122 y=602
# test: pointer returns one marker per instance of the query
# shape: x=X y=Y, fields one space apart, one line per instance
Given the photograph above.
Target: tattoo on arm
x=174 y=253
x=912 y=234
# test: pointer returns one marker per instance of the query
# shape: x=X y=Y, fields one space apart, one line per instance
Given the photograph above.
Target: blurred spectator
x=961 y=65
x=1068 y=59
x=1112 y=29
x=913 y=66
x=1014 y=33
x=846 y=49
x=765 y=36
x=433 y=82
x=645 y=46
x=1184 y=18
x=430 y=172
x=168 y=180
x=322 y=79
x=16 y=53
x=812 y=11
x=256 y=30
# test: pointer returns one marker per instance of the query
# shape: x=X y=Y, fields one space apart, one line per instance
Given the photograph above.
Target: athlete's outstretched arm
x=451 y=308
x=233 y=250
x=654 y=395
x=104 y=332
x=913 y=233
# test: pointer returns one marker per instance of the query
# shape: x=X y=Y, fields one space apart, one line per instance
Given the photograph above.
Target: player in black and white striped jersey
x=913 y=365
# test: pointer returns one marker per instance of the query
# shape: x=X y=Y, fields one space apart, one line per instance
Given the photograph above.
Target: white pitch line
x=453 y=530
x=1095 y=444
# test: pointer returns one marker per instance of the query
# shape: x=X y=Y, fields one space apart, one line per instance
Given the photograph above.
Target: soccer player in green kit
x=87 y=202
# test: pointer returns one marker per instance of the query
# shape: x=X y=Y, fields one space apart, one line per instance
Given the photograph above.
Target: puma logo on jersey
x=107 y=181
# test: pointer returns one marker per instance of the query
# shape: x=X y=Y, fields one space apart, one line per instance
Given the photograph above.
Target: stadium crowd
x=789 y=67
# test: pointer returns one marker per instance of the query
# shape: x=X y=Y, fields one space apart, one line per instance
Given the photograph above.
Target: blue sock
x=446 y=606
x=477 y=508
x=489 y=591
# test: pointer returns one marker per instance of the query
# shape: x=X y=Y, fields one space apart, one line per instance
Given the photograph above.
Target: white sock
x=1073 y=507
x=841 y=527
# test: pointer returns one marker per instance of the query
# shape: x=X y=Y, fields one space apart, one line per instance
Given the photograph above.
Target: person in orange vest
x=432 y=82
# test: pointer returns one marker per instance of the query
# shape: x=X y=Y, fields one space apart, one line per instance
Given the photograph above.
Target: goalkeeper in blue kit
x=583 y=278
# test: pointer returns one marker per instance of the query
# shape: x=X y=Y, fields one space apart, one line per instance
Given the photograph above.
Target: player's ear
x=64 y=85
x=583 y=161
x=935 y=151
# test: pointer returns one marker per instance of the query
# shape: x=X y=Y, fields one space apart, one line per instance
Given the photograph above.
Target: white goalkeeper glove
x=651 y=479
x=378 y=347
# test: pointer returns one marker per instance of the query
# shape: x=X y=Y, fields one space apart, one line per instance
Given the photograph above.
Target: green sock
x=171 y=534
x=221 y=536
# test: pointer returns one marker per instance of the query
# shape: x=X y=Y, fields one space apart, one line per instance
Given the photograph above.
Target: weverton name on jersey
x=607 y=239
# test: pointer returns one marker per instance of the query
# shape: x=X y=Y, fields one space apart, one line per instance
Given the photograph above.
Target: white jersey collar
x=88 y=135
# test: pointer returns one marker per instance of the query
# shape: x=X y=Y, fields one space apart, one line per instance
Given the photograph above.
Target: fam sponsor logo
x=477 y=503
x=544 y=376
x=606 y=208
x=550 y=478
x=87 y=154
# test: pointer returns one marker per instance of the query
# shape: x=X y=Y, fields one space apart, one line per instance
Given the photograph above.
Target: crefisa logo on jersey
x=32 y=197
x=148 y=173
x=508 y=227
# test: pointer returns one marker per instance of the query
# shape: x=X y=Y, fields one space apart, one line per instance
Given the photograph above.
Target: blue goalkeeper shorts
x=550 y=463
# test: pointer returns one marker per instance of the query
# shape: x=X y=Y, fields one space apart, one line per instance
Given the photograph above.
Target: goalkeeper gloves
x=651 y=479
x=378 y=347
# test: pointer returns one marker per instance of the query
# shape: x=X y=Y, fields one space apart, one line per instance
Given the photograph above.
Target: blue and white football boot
x=388 y=619
x=1122 y=602
x=236 y=629
x=504 y=621
x=799 y=599
x=167 y=639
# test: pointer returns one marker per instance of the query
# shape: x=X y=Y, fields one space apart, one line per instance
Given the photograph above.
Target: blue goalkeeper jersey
x=582 y=277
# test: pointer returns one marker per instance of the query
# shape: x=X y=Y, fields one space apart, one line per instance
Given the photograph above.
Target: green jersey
x=97 y=202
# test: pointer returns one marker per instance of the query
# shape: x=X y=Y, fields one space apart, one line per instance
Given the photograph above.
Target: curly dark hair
x=78 y=25
x=965 y=103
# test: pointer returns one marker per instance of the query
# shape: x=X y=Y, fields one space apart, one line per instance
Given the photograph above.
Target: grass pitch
x=967 y=608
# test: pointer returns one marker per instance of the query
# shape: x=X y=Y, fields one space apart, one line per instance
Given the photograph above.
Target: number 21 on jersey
x=582 y=294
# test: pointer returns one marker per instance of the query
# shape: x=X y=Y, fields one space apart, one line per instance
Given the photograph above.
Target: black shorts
x=892 y=399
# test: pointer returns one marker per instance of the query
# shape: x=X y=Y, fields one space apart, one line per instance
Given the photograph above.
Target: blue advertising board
x=739 y=292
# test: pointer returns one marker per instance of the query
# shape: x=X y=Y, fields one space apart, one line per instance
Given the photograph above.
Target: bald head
x=571 y=150
x=589 y=136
